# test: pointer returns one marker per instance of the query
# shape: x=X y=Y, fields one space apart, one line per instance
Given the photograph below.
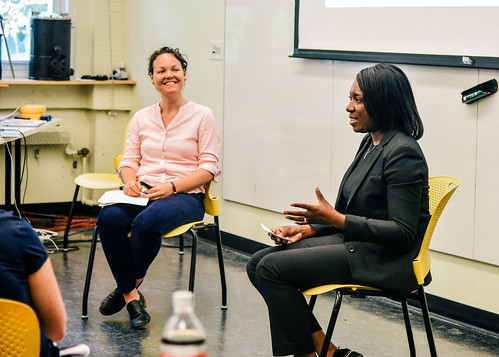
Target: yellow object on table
x=32 y=111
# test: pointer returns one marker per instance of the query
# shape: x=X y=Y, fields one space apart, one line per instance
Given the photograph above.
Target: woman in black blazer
x=373 y=232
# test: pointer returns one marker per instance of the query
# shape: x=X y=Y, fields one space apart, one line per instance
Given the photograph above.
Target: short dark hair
x=162 y=50
x=389 y=99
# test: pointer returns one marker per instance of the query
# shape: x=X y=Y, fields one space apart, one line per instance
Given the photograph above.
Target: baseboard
x=463 y=313
x=445 y=308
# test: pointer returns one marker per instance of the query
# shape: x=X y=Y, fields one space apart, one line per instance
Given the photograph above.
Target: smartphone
x=275 y=235
x=145 y=185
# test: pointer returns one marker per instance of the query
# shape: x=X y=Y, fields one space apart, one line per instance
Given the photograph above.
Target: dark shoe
x=345 y=352
x=138 y=314
x=114 y=302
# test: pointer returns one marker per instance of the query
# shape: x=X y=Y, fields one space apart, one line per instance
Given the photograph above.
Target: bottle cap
x=182 y=299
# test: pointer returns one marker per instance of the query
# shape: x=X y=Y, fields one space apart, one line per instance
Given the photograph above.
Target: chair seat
x=182 y=229
x=330 y=287
x=98 y=181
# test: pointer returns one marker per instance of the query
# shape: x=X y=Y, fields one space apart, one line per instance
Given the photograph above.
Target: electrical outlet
x=216 y=50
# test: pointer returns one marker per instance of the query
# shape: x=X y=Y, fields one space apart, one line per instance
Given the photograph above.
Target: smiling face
x=360 y=120
x=168 y=76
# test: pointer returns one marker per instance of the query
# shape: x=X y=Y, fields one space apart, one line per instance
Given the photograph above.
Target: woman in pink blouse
x=173 y=148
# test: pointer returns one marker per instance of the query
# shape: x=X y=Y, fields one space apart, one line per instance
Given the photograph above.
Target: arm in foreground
x=47 y=301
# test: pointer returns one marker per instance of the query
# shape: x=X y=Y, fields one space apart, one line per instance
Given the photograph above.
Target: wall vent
x=49 y=138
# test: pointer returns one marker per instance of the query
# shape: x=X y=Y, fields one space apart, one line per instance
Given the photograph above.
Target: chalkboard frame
x=387 y=57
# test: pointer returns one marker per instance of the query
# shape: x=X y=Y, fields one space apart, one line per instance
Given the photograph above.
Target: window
x=16 y=16
x=16 y=24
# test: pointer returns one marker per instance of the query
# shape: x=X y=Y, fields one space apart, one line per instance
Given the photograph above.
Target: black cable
x=24 y=167
x=13 y=171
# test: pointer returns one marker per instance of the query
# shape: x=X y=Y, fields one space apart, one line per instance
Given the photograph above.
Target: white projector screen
x=439 y=32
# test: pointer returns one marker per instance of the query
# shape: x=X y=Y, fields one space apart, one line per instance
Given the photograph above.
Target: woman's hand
x=133 y=189
x=158 y=191
x=129 y=178
x=295 y=233
x=321 y=213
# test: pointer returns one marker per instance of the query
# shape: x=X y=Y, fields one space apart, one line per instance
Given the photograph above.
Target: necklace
x=371 y=148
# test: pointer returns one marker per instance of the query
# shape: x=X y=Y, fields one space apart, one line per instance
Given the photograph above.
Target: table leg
x=8 y=175
x=17 y=172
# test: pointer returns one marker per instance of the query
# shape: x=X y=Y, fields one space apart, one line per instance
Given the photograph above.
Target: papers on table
x=117 y=196
x=22 y=122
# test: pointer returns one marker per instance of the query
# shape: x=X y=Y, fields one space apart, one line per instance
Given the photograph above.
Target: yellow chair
x=93 y=181
x=211 y=207
x=441 y=189
x=19 y=329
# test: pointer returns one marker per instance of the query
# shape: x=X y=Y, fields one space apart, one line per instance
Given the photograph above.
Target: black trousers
x=278 y=272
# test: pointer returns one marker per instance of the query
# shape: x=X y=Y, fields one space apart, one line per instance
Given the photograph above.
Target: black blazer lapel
x=370 y=160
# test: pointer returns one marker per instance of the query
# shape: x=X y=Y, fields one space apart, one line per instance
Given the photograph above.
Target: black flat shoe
x=345 y=352
x=138 y=314
x=114 y=302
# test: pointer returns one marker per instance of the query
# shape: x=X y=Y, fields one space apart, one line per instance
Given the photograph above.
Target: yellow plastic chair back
x=19 y=329
x=211 y=202
x=441 y=190
x=117 y=158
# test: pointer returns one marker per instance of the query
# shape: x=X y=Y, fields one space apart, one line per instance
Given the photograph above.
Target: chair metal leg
x=70 y=218
x=181 y=244
x=88 y=278
x=192 y=274
x=332 y=323
x=221 y=266
x=408 y=329
x=312 y=301
x=427 y=322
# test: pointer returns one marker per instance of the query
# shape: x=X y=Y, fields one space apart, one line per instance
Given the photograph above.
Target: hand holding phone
x=145 y=185
x=275 y=235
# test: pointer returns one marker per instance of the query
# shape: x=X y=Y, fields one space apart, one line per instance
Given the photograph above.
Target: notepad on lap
x=118 y=196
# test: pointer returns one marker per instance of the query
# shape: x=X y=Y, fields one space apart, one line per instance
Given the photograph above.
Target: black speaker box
x=50 y=48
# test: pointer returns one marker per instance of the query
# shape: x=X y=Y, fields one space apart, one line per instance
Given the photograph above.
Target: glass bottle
x=183 y=334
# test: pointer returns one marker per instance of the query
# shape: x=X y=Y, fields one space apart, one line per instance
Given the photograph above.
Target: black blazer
x=386 y=214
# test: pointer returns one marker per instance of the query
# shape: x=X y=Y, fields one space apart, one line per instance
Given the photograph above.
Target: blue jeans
x=130 y=257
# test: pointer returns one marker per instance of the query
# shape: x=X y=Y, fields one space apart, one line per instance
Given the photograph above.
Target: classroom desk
x=27 y=131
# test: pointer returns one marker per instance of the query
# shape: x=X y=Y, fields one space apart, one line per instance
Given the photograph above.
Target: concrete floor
x=373 y=327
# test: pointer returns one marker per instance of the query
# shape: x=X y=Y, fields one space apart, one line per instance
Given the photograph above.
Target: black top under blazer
x=387 y=212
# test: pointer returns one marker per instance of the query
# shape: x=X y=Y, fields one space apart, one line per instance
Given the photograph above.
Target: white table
x=26 y=131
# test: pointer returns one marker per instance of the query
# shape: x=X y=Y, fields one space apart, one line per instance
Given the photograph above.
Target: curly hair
x=174 y=51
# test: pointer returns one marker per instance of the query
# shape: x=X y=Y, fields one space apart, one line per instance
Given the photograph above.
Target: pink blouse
x=158 y=155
